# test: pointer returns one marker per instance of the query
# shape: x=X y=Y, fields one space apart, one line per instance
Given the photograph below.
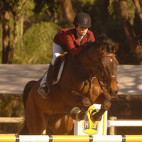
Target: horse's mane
x=103 y=39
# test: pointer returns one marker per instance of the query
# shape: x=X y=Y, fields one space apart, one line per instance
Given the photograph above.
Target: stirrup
x=43 y=94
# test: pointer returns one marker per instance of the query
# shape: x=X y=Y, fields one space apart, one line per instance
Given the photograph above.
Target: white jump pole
x=125 y=123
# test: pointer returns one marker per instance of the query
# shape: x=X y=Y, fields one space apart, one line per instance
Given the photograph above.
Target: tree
x=138 y=4
x=57 y=7
x=68 y=11
x=13 y=9
x=5 y=17
x=134 y=41
x=6 y=10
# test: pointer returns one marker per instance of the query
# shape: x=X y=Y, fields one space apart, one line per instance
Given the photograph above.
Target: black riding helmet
x=82 y=19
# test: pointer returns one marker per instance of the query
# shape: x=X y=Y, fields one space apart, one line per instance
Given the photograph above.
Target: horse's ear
x=116 y=47
x=102 y=49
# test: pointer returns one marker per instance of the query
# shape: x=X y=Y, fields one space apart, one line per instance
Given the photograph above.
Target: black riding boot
x=45 y=89
x=49 y=78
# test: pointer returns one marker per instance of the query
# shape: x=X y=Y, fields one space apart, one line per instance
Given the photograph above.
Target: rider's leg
x=49 y=78
x=45 y=87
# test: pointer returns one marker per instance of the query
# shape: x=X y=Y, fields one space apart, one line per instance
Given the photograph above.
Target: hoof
x=82 y=115
x=95 y=117
x=77 y=114
x=74 y=112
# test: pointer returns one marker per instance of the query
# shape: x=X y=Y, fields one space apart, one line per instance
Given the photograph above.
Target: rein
x=96 y=72
x=99 y=71
x=103 y=82
x=107 y=55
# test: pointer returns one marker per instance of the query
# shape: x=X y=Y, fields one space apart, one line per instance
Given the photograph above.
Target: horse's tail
x=23 y=130
x=29 y=85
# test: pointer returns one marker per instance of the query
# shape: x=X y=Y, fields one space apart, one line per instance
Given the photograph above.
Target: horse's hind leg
x=61 y=124
x=35 y=120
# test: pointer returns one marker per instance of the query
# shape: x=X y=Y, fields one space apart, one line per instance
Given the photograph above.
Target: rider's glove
x=87 y=44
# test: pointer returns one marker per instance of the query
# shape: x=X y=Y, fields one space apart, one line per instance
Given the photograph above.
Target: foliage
x=37 y=41
x=106 y=18
x=113 y=10
x=48 y=7
x=10 y=105
x=40 y=28
x=0 y=43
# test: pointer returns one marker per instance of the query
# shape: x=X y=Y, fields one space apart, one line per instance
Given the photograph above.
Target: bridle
x=101 y=79
x=112 y=77
x=98 y=65
x=98 y=71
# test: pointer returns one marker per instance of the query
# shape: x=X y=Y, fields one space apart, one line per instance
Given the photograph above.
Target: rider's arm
x=69 y=39
x=90 y=36
x=71 y=46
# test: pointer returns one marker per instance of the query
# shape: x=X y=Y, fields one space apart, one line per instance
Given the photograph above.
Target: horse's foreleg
x=81 y=113
x=78 y=114
x=97 y=116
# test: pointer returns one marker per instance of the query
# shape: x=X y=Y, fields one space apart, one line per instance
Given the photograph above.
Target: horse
x=87 y=78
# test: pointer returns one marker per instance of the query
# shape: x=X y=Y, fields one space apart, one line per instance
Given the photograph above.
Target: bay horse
x=87 y=78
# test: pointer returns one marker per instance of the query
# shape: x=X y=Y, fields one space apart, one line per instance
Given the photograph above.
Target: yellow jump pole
x=133 y=138
x=70 y=138
x=7 y=138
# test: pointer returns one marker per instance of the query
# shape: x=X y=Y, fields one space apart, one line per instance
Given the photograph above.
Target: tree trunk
x=21 y=30
x=11 y=51
x=68 y=12
x=135 y=45
x=139 y=9
x=5 y=37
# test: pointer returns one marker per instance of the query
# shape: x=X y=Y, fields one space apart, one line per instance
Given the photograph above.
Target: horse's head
x=107 y=64
x=108 y=68
x=103 y=54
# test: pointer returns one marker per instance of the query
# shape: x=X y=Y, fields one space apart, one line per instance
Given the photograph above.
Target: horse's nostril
x=113 y=92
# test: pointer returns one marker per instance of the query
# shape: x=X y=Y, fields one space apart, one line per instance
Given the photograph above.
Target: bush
x=11 y=105
x=37 y=44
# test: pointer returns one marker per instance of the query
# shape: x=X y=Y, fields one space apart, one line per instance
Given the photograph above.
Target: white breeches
x=57 y=51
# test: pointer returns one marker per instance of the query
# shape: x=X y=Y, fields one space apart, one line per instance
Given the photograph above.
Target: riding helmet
x=82 y=19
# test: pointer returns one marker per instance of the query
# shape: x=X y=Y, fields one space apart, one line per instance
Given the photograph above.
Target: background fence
x=14 y=77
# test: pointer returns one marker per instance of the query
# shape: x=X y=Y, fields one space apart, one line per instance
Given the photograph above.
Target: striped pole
x=70 y=138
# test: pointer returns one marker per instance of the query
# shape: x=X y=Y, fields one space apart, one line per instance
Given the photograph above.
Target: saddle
x=60 y=59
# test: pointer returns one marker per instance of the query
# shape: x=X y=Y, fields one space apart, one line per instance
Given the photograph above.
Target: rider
x=72 y=40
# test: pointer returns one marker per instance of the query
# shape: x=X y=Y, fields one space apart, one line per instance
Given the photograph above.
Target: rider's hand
x=87 y=44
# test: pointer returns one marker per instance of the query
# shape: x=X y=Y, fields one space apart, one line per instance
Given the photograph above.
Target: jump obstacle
x=70 y=138
x=84 y=131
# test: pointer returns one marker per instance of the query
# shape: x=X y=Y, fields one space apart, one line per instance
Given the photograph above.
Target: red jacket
x=68 y=40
